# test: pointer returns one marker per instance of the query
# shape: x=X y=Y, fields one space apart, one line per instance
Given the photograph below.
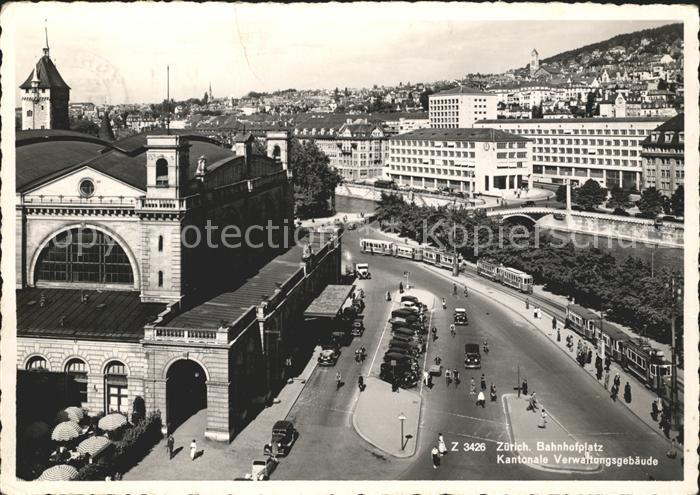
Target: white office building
x=460 y=107
x=605 y=149
x=471 y=161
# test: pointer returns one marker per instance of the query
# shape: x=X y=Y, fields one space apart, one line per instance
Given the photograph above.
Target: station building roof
x=110 y=315
x=460 y=134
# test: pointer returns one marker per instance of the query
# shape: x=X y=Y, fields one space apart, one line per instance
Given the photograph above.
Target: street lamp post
x=455 y=265
x=402 y=418
x=676 y=295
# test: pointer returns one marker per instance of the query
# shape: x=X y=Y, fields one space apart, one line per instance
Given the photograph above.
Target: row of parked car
x=400 y=366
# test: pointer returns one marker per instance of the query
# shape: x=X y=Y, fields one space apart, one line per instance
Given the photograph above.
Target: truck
x=362 y=271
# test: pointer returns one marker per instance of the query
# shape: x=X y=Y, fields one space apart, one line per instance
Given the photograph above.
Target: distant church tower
x=534 y=62
x=45 y=96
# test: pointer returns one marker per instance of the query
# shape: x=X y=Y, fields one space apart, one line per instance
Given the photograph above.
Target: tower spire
x=46 y=36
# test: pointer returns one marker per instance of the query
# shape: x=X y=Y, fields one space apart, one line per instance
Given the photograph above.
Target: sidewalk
x=332 y=220
x=377 y=411
x=219 y=461
x=642 y=397
x=525 y=433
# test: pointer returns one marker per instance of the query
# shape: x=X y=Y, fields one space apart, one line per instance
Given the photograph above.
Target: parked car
x=472 y=356
x=329 y=355
x=283 y=437
x=261 y=469
x=560 y=216
x=358 y=326
x=528 y=204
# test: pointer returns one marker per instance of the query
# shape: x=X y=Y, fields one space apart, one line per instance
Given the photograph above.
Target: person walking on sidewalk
x=448 y=377
x=655 y=409
x=523 y=387
x=426 y=376
x=543 y=419
x=442 y=446
x=435 y=453
x=338 y=380
x=481 y=399
x=455 y=376
x=527 y=303
x=170 y=446
x=616 y=380
x=361 y=383
x=628 y=392
x=554 y=322
x=472 y=387
x=606 y=380
x=193 y=449
x=483 y=382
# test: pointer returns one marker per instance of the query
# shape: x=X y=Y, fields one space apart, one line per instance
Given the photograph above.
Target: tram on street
x=376 y=246
x=507 y=276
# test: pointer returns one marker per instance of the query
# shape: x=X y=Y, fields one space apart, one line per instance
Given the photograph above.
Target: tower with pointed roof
x=534 y=61
x=45 y=96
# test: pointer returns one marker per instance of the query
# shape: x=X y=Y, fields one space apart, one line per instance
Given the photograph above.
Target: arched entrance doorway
x=186 y=391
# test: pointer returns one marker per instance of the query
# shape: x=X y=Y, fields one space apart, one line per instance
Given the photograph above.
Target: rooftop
x=329 y=302
x=461 y=134
x=596 y=120
x=229 y=306
x=462 y=90
x=107 y=315
x=48 y=75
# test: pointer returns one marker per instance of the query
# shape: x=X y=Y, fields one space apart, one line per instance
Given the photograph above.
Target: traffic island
x=388 y=420
x=551 y=448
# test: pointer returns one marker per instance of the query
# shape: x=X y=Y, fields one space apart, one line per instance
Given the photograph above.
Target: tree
x=313 y=179
x=590 y=194
x=425 y=99
x=106 y=132
x=619 y=199
x=537 y=112
x=561 y=193
x=678 y=202
x=85 y=126
x=651 y=203
x=205 y=98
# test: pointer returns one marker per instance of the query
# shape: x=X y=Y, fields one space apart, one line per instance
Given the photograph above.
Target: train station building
x=131 y=282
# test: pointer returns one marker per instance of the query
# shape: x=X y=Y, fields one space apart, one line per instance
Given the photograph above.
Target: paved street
x=330 y=448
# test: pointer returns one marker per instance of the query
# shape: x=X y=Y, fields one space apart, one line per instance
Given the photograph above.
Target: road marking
x=381 y=338
x=500 y=423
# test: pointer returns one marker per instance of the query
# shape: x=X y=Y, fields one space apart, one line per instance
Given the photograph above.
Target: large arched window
x=116 y=387
x=84 y=255
x=76 y=382
x=37 y=363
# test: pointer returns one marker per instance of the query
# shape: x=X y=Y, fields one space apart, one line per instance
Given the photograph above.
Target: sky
x=118 y=53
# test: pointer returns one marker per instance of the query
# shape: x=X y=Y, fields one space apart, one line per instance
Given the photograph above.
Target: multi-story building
x=663 y=156
x=355 y=148
x=605 y=149
x=460 y=107
x=471 y=160
x=45 y=97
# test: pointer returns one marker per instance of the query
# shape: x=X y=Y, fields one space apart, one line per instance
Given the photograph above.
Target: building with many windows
x=663 y=156
x=486 y=161
x=607 y=150
x=355 y=147
x=159 y=267
x=460 y=107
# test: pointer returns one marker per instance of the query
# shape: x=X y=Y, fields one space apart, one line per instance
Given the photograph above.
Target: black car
x=283 y=436
x=527 y=204
x=472 y=356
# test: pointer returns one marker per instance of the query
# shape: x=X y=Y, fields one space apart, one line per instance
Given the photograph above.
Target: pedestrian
x=448 y=377
x=442 y=447
x=436 y=457
x=472 y=384
x=613 y=392
x=193 y=449
x=388 y=296
x=672 y=452
x=483 y=382
x=426 y=377
x=543 y=419
x=655 y=409
x=480 y=399
x=607 y=363
x=493 y=392
x=170 y=446
x=616 y=381
x=606 y=380
x=599 y=373
x=628 y=392
x=558 y=336
x=532 y=403
x=401 y=287
x=589 y=357
x=527 y=303
x=361 y=383
x=430 y=381
x=455 y=375
x=524 y=386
